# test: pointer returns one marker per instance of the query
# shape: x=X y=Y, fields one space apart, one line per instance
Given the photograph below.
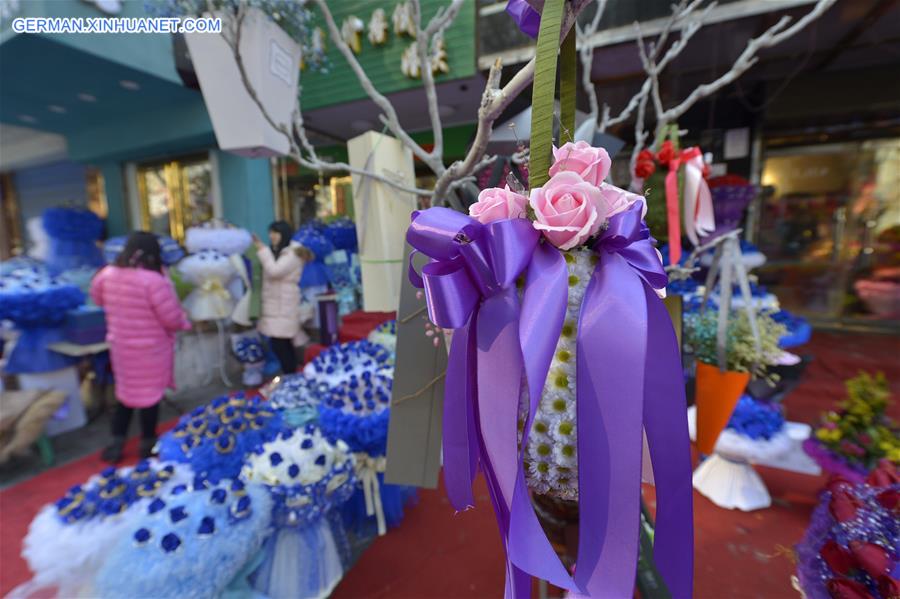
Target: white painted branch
x=390 y=114
x=494 y=101
x=424 y=38
x=776 y=34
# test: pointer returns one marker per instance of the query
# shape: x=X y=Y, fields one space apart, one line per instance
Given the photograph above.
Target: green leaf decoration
x=567 y=88
x=543 y=91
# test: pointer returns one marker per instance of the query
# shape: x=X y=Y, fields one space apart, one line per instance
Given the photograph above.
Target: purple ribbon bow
x=629 y=379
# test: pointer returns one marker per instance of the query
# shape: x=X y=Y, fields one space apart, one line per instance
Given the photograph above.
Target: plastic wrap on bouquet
x=224 y=240
x=850 y=546
x=297 y=397
x=315 y=273
x=730 y=197
x=596 y=311
x=170 y=250
x=357 y=411
x=191 y=542
x=69 y=540
x=345 y=281
x=385 y=335
x=338 y=363
x=73 y=234
x=210 y=271
x=37 y=305
x=308 y=476
x=216 y=439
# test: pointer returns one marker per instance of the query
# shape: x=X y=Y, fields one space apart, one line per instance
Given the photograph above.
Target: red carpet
x=438 y=554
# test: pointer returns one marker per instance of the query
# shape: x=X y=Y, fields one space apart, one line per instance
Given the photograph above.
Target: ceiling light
x=361 y=125
x=57 y=109
x=27 y=118
x=85 y=97
x=130 y=85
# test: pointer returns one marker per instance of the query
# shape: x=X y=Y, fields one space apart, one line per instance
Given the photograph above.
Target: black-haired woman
x=142 y=317
x=282 y=265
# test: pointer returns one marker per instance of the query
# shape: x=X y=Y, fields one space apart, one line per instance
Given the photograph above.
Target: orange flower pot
x=717 y=394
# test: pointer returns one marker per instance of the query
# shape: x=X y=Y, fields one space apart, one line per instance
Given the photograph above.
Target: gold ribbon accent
x=213 y=286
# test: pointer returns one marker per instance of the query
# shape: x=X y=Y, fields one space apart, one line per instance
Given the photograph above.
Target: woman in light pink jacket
x=282 y=265
x=142 y=317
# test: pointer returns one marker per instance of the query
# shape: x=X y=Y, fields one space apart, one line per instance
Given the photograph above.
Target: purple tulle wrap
x=831 y=462
x=628 y=379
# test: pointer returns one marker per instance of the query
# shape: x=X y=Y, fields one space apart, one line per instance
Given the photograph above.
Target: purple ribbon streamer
x=620 y=389
x=527 y=19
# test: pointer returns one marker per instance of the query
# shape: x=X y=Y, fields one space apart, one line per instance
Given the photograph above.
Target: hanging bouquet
x=553 y=296
x=309 y=477
x=852 y=440
x=851 y=549
x=190 y=542
x=84 y=523
x=216 y=439
x=723 y=372
x=680 y=175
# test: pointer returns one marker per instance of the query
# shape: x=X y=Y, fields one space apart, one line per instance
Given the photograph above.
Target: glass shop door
x=175 y=195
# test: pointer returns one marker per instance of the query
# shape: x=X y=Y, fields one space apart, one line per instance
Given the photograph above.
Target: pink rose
x=498 y=204
x=616 y=200
x=582 y=158
x=568 y=210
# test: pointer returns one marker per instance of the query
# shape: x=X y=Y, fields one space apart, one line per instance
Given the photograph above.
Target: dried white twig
x=773 y=36
x=494 y=101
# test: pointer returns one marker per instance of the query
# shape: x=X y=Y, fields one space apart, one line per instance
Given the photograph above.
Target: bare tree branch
x=233 y=39
x=435 y=28
x=389 y=117
x=494 y=101
x=586 y=56
x=776 y=34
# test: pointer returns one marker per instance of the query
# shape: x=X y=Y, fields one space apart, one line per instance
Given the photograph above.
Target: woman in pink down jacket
x=142 y=317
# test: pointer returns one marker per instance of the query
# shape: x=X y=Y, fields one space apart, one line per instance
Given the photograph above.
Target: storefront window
x=175 y=195
x=830 y=227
